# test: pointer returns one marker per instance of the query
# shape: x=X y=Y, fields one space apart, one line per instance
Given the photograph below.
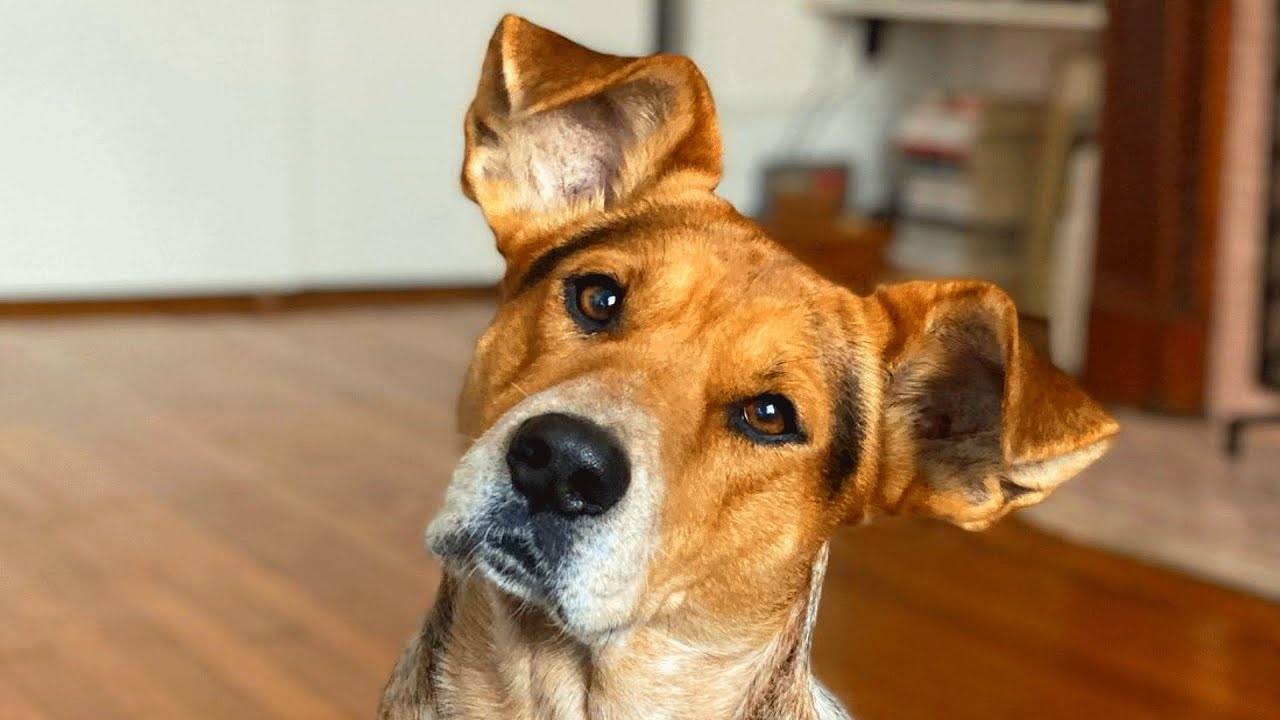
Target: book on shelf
x=964 y=193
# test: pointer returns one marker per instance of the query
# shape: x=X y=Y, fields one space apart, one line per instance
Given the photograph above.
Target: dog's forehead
x=718 y=280
x=767 y=320
x=734 y=260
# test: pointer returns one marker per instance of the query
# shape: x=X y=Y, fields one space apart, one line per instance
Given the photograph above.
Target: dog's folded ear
x=557 y=131
x=975 y=422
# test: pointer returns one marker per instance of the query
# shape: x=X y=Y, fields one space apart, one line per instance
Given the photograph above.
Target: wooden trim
x=1164 y=118
x=246 y=303
x=1217 y=86
x=1268 y=362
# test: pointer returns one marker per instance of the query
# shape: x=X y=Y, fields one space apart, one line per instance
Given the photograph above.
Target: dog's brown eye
x=768 y=418
x=599 y=302
x=765 y=416
x=594 y=301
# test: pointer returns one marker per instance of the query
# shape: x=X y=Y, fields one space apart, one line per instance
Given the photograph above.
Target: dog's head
x=671 y=415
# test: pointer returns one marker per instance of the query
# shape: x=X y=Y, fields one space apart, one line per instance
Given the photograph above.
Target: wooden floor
x=220 y=517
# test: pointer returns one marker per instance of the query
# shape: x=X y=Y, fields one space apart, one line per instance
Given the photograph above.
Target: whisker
x=523 y=393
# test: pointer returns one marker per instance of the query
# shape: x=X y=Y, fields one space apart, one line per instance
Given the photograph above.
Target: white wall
x=769 y=60
x=768 y=64
x=389 y=82
x=143 y=144
x=156 y=147
x=160 y=147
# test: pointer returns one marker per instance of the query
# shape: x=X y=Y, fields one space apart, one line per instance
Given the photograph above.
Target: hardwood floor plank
x=59 y=687
x=1027 y=605
x=131 y=686
x=16 y=704
x=220 y=516
x=235 y=659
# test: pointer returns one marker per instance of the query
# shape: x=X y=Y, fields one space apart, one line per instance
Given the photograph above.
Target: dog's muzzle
x=557 y=504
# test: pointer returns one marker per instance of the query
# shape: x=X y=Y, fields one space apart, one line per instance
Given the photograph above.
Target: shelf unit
x=1059 y=15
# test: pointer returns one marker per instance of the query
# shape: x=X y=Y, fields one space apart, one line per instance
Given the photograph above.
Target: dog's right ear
x=975 y=423
x=557 y=132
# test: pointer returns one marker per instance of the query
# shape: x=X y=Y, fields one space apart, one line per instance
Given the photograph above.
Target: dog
x=671 y=415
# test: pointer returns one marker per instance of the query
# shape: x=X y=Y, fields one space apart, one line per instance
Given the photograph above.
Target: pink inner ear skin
x=558 y=133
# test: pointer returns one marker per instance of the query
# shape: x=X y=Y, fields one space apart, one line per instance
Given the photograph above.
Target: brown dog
x=671 y=416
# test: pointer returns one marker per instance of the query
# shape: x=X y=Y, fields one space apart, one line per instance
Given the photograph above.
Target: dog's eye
x=594 y=301
x=769 y=418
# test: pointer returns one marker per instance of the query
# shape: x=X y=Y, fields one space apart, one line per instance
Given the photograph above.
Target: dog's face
x=671 y=414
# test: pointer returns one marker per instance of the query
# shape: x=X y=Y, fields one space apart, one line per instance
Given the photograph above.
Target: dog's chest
x=639 y=678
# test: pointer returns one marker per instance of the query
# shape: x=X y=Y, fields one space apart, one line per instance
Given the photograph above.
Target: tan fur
x=919 y=399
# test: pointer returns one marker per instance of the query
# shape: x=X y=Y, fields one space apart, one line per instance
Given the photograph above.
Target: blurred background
x=238 y=287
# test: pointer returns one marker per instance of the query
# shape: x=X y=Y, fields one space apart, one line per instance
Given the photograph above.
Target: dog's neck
x=480 y=657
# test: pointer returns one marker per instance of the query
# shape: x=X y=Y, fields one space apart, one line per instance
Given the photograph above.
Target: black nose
x=567 y=465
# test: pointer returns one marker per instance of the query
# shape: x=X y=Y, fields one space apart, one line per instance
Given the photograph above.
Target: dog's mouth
x=508 y=560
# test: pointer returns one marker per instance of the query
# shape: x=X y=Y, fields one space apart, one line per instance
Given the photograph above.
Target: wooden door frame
x=1148 y=347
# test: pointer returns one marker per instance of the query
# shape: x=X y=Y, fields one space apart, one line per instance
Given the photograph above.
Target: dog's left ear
x=975 y=422
x=557 y=132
